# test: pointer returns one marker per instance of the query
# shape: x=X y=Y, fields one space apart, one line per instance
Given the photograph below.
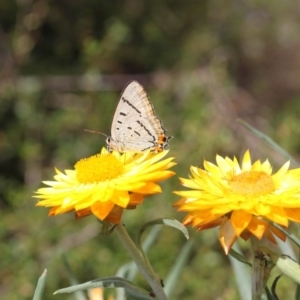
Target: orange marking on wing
x=161 y=139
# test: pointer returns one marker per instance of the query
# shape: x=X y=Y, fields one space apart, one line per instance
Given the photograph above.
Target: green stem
x=145 y=268
x=257 y=271
x=261 y=268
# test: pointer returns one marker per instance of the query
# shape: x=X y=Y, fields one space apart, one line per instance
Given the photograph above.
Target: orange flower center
x=252 y=183
x=98 y=168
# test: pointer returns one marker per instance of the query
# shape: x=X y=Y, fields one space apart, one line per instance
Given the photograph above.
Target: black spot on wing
x=131 y=105
x=145 y=128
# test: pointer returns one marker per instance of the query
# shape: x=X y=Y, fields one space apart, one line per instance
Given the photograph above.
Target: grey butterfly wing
x=135 y=126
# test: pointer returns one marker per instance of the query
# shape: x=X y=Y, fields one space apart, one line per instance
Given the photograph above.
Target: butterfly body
x=135 y=126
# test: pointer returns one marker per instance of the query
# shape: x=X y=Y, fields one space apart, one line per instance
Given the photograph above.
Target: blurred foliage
x=62 y=67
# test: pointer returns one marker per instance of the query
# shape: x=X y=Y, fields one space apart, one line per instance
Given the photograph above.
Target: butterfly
x=135 y=126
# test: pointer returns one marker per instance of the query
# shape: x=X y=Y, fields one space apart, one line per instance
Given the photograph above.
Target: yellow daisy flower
x=105 y=184
x=240 y=199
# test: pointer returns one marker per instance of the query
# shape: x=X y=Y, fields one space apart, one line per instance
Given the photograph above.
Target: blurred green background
x=203 y=63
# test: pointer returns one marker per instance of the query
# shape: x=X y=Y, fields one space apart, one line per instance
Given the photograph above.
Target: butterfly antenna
x=97 y=132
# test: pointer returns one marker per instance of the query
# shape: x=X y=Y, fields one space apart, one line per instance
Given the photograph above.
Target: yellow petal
x=246 y=163
x=227 y=235
x=240 y=220
x=102 y=209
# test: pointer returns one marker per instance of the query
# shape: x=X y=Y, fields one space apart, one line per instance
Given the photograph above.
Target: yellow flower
x=105 y=184
x=240 y=199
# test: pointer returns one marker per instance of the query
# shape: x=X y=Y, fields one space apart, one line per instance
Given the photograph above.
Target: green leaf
x=269 y=141
x=241 y=273
x=39 y=290
x=130 y=288
x=177 y=269
x=273 y=288
x=239 y=257
x=289 y=267
x=164 y=221
x=72 y=278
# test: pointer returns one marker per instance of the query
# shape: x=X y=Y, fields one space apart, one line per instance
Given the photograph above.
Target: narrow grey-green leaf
x=39 y=290
x=273 y=288
x=72 y=278
x=241 y=274
x=163 y=221
x=177 y=269
x=110 y=282
x=139 y=295
x=289 y=267
x=269 y=141
x=239 y=257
